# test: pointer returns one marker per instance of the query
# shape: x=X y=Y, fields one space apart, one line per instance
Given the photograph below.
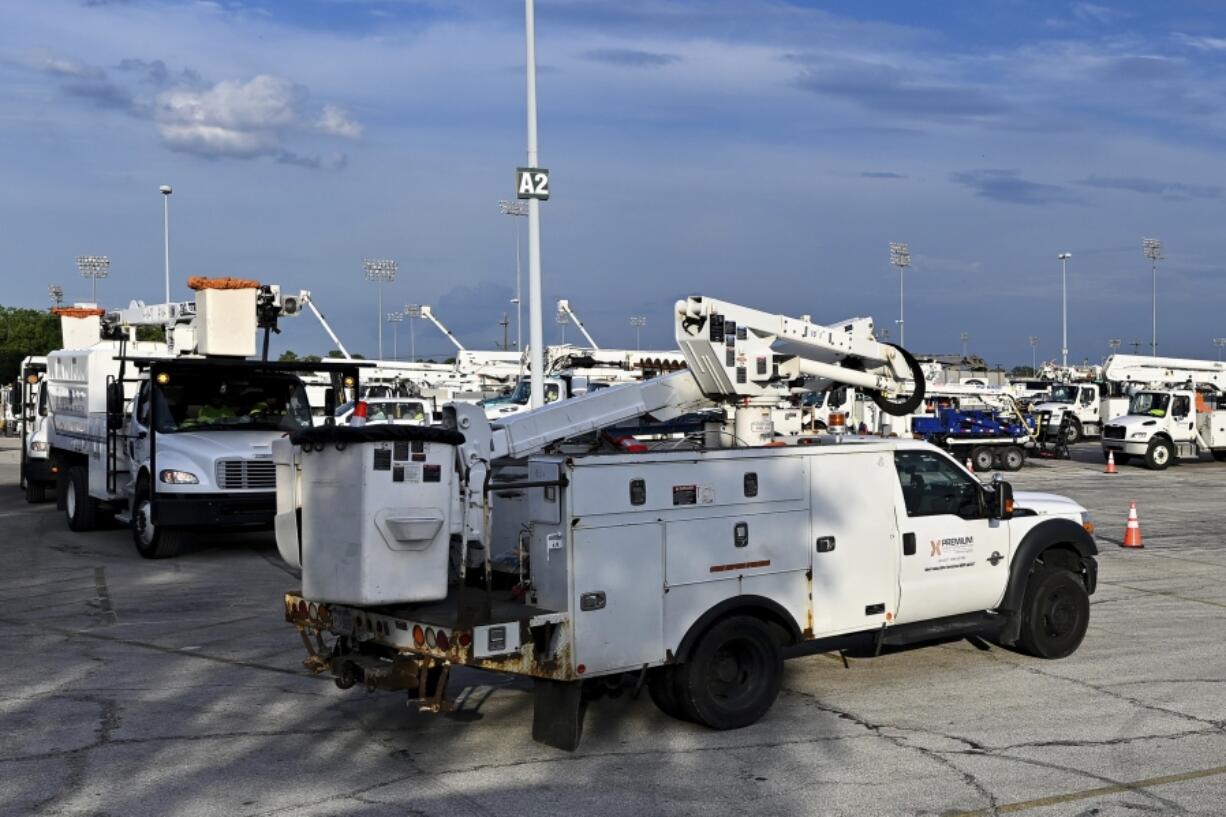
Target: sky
x=764 y=153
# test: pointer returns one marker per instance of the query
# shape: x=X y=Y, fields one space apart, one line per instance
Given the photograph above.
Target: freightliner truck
x=686 y=566
x=174 y=438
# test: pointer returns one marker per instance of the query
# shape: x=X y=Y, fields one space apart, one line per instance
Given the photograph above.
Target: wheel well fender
x=1064 y=542
x=758 y=606
x=1161 y=435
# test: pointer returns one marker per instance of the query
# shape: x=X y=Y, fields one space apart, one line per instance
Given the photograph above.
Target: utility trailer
x=988 y=437
x=686 y=569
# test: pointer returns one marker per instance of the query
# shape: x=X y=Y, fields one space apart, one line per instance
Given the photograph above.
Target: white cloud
x=1203 y=43
x=335 y=121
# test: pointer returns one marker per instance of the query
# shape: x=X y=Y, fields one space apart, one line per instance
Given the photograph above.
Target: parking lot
x=175 y=687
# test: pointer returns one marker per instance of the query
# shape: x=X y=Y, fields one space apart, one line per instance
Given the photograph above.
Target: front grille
x=235 y=475
x=1113 y=432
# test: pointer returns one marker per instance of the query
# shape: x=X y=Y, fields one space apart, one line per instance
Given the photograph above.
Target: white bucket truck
x=688 y=568
x=1178 y=412
x=174 y=437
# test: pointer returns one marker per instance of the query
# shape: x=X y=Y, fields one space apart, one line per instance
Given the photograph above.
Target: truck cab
x=1165 y=425
x=28 y=402
x=558 y=387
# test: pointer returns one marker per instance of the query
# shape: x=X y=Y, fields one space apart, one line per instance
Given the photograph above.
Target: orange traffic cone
x=1110 y=463
x=970 y=466
x=1132 y=533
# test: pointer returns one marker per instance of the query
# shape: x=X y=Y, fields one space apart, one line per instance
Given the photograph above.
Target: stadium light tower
x=562 y=319
x=57 y=294
x=638 y=322
x=900 y=256
x=412 y=311
x=1063 y=259
x=94 y=267
x=1219 y=343
x=394 y=318
x=1034 y=355
x=1152 y=248
x=515 y=208
x=380 y=270
x=964 y=337
x=166 y=190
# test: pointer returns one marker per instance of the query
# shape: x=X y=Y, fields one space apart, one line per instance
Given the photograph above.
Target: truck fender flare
x=759 y=606
x=1063 y=532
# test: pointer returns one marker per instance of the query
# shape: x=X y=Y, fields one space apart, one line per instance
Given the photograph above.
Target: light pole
x=536 y=333
x=638 y=322
x=166 y=190
x=94 y=267
x=1152 y=248
x=394 y=318
x=900 y=256
x=412 y=311
x=380 y=270
x=1114 y=344
x=1034 y=355
x=515 y=208
x=1063 y=258
x=562 y=319
x=964 y=337
x=1219 y=343
x=57 y=294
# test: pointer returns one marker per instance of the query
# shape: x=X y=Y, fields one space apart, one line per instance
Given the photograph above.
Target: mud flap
x=557 y=713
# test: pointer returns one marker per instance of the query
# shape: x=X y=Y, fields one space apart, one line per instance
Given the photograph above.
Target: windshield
x=1063 y=394
x=389 y=411
x=522 y=393
x=222 y=400
x=1149 y=404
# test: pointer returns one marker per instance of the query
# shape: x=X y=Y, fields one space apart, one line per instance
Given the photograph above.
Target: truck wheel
x=79 y=506
x=662 y=687
x=1055 y=613
x=152 y=541
x=1158 y=455
x=1012 y=458
x=1220 y=456
x=983 y=459
x=733 y=675
x=1074 y=431
x=36 y=491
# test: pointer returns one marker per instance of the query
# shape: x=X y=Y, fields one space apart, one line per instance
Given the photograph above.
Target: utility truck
x=685 y=566
x=1178 y=412
x=173 y=437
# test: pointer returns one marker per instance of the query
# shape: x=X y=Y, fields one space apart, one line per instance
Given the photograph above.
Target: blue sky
x=762 y=152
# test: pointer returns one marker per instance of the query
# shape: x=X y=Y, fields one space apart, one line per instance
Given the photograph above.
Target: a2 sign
x=531 y=183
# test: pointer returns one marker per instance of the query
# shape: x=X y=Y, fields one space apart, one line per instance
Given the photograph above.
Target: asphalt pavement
x=130 y=688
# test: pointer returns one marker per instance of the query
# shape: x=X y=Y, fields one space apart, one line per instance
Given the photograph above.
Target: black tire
x=1055 y=613
x=152 y=541
x=1220 y=456
x=1159 y=455
x=1073 y=434
x=1012 y=458
x=983 y=458
x=80 y=508
x=662 y=688
x=36 y=491
x=733 y=675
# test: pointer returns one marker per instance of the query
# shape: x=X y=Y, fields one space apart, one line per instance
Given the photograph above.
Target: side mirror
x=1001 y=498
x=329 y=406
x=15 y=400
x=114 y=406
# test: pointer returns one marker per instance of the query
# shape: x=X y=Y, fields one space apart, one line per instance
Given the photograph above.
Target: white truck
x=1178 y=412
x=687 y=568
x=28 y=401
x=173 y=437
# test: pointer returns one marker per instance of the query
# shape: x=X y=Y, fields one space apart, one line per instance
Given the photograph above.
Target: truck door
x=1183 y=421
x=1088 y=398
x=953 y=557
x=854 y=581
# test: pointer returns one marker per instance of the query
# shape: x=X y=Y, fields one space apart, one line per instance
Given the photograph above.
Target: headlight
x=178 y=477
x=1087 y=522
x=1138 y=435
x=38 y=445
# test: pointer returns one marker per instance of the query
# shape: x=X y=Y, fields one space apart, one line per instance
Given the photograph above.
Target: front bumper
x=215 y=510
x=1134 y=447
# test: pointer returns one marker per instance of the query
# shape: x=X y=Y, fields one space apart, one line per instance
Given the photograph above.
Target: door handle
x=825 y=544
x=908 y=544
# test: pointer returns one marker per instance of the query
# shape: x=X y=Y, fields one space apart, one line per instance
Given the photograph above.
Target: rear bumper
x=215 y=510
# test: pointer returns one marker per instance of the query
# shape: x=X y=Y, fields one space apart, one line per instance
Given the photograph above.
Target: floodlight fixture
x=94 y=267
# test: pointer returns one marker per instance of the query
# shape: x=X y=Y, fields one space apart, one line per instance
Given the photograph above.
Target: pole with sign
x=532 y=183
